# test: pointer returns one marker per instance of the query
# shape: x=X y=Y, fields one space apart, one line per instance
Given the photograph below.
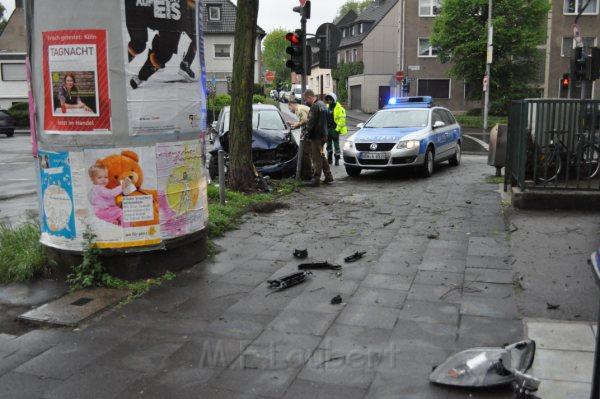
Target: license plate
x=375 y=155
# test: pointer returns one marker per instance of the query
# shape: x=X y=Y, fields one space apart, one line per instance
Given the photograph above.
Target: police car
x=408 y=132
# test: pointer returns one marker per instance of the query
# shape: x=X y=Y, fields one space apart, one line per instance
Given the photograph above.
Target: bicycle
x=551 y=158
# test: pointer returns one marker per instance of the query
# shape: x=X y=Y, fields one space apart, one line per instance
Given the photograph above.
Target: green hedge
x=476 y=122
x=20 y=111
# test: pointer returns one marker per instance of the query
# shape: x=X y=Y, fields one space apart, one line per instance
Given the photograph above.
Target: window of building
x=354 y=55
x=328 y=80
x=574 y=6
x=425 y=49
x=348 y=56
x=353 y=33
x=214 y=13
x=429 y=8
x=344 y=32
x=13 y=72
x=360 y=28
x=436 y=88
x=567 y=45
x=222 y=50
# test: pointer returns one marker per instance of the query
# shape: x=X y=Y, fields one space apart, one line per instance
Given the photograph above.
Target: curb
x=555 y=199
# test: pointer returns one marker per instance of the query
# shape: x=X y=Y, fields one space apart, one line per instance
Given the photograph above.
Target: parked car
x=7 y=123
x=297 y=92
x=274 y=94
x=410 y=132
x=274 y=150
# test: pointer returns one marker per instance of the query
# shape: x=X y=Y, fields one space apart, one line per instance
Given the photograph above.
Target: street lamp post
x=488 y=63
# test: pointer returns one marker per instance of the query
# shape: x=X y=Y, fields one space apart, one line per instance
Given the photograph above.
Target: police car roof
x=409 y=102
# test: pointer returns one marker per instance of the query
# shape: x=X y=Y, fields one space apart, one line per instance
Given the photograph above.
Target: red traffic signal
x=293 y=38
x=566 y=81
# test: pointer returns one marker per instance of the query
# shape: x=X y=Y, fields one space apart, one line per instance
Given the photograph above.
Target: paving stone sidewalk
x=436 y=279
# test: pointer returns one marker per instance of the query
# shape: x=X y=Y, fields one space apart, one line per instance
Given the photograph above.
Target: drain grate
x=82 y=301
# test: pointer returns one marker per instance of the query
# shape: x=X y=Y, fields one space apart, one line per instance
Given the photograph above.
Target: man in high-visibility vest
x=336 y=127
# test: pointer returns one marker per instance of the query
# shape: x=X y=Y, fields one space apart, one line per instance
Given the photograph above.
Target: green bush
x=20 y=111
x=258 y=99
x=216 y=104
x=474 y=112
x=476 y=122
x=341 y=74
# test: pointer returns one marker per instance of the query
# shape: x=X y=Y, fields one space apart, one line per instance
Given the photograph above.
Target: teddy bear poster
x=122 y=197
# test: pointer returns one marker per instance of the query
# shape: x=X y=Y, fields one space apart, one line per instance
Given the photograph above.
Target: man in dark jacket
x=316 y=129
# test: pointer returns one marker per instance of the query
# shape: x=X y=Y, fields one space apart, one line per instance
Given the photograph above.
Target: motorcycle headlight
x=408 y=144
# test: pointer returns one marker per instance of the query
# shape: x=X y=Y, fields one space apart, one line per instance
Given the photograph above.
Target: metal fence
x=554 y=144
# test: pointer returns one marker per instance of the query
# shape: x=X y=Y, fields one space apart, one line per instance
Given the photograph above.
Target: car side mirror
x=360 y=125
x=438 y=124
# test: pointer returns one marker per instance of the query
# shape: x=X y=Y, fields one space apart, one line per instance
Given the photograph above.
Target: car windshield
x=399 y=118
x=298 y=90
x=264 y=119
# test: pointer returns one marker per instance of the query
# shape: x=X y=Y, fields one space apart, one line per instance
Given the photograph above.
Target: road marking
x=480 y=142
x=17 y=180
x=16 y=162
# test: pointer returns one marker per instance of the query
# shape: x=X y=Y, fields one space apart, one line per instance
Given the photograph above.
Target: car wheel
x=455 y=160
x=10 y=133
x=353 y=171
x=428 y=163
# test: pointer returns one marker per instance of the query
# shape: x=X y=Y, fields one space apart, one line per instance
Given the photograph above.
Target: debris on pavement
x=385 y=224
x=551 y=306
x=333 y=359
x=513 y=228
x=336 y=300
x=433 y=236
x=468 y=202
x=267 y=207
x=487 y=367
x=288 y=281
x=319 y=266
x=355 y=256
x=300 y=253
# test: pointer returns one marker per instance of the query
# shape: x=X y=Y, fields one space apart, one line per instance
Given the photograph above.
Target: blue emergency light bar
x=410 y=102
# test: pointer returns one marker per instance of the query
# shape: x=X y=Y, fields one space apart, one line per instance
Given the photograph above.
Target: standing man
x=317 y=134
x=302 y=111
x=337 y=127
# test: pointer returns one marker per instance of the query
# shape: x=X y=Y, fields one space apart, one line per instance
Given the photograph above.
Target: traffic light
x=595 y=63
x=578 y=61
x=304 y=10
x=295 y=51
x=566 y=81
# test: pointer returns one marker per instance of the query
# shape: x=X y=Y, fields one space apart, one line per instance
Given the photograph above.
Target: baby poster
x=122 y=196
x=58 y=219
x=179 y=169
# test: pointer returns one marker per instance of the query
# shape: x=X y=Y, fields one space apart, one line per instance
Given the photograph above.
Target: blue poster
x=58 y=217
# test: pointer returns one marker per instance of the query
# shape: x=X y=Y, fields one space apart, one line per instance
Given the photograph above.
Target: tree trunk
x=241 y=170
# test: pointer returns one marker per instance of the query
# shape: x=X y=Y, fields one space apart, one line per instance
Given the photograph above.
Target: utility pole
x=304 y=55
x=488 y=63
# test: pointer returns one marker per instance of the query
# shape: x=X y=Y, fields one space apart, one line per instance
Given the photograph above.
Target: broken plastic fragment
x=336 y=300
x=288 y=280
x=300 y=253
x=485 y=367
x=319 y=266
x=355 y=256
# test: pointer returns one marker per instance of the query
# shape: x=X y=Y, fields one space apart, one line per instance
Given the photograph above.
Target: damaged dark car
x=274 y=147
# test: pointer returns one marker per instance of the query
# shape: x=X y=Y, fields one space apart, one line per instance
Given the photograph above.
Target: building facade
x=559 y=45
x=13 y=47
x=219 y=39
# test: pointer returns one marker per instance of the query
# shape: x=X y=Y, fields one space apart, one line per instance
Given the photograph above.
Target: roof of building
x=373 y=14
x=228 y=17
x=13 y=38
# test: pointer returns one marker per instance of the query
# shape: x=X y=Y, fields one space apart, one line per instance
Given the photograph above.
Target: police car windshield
x=266 y=120
x=399 y=118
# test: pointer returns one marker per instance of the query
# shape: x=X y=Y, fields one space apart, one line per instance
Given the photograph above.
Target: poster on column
x=76 y=94
x=122 y=197
x=163 y=68
x=180 y=178
x=57 y=210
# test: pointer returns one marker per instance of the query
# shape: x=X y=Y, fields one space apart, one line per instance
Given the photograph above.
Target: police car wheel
x=455 y=160
x=353 y=171
x=428 y=163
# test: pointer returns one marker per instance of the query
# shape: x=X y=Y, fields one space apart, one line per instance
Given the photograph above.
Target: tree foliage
x=460 y=34
x=274 y=55
x=341 y=74
x=357 y=6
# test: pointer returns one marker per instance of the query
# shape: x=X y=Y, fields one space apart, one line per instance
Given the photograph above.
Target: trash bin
x=497 y=150
x=596 y=375
x=120 y=117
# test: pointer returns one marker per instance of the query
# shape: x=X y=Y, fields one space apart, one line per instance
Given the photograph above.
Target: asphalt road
x=18 y=199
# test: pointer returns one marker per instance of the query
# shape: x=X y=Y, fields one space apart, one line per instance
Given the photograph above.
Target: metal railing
x=553 y=144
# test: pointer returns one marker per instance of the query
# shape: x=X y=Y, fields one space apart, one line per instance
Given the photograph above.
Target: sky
x=274 y=13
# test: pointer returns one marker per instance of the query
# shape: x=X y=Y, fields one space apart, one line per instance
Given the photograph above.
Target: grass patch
x=476 y=122
x=222 y=218
x=494 y=179
x=22 y=256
